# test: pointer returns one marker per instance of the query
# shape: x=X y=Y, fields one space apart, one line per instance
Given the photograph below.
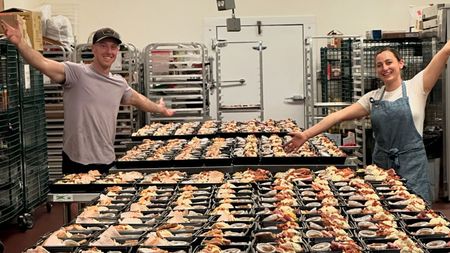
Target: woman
x=397 y=112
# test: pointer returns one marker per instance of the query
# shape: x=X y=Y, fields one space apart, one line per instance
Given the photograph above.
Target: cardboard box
x=33 y=23
x=14 y=20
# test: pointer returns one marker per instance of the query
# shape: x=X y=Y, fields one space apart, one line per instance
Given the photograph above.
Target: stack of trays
x=256 y=210
x=224 y=151
x=93 y=181
x=211 y=128
x=178 y=152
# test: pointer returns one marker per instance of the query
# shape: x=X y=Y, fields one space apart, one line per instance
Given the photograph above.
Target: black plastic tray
x=82 y=188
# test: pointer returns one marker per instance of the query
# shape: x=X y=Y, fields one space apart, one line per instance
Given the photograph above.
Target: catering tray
x=174 y=163
x=274 y=168
x=147 y=249
x=83 y=188
x=105 y=249
x=167 y=137
x=428 y=244
x=303 y=160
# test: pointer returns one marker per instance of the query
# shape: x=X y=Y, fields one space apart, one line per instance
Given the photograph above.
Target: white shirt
x=415 y=92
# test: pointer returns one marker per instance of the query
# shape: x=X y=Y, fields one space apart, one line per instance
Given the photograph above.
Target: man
x=92 y=96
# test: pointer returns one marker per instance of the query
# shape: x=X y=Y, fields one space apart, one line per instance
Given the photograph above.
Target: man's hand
x=297 y=141
x=13 y=34
x=163 y=109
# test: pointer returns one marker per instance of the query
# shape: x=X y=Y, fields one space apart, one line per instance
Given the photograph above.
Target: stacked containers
x=34 y=137
x=11 y=191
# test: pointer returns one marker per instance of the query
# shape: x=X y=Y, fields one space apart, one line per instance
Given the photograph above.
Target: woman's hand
x=298 y=139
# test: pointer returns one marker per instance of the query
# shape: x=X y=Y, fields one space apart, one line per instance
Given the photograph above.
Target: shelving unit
x=127 y=65
x=220 y=84
x=358 y=92
x=33 y=138
x=334 y=82
x=54 y=110
x=11 y=190
x=24 y=172
x=178 y=73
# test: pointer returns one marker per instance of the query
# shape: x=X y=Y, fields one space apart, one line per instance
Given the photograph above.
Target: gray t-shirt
x=91 y=105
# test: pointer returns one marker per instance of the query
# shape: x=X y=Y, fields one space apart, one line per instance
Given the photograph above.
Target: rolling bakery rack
x=54 y=110
x=179 y=74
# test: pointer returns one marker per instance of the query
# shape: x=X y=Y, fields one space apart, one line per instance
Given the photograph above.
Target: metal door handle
x=295 y=99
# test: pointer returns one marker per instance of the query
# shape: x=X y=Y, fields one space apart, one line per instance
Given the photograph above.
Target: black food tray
x=83 y=188
x=168 y=137
x=303 y=160
x=173 y=163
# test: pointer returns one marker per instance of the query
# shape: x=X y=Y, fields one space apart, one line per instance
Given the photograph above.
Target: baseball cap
x=105 y=33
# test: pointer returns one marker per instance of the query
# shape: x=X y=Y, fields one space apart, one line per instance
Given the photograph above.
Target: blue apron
x=398 y=145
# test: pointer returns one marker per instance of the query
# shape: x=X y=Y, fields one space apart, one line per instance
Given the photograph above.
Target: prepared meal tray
x=157 y=130
x=401 y=244
x=180 y=230
x=144 y=249
x=183 y=217
x=243 y=150
x=433 y=245
x=145 y=219
x=248 y=175
x=229 y=217
x=112 y=203
x=239 y=191
x=231 y=234
x=67 y=238
x=235 y=207
x=114 y=237
x=244 y=244
x=283 y=225
x=334 y=246
x=120 y=194
x=164 y=239
x=272 y=152
x=124 y=180
x=179 y=153
x=223 y=248
x=156 y=196
x=205 y=178
x=166 y=177
x=227 y=209
x=258 y=127
x=186 y=130
x=79 y=178
x=326 y=147
x=425 y=229
x=246 y=150
x=431 y=216
x=381 y=245
x=264 y=247
x=104 y=249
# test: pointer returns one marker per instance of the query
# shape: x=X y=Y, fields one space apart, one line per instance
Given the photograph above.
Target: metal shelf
x=178 y=73
x=335 y=81
x=54 y=111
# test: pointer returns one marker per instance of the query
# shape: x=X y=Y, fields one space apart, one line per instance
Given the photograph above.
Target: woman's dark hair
x=390 y=49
